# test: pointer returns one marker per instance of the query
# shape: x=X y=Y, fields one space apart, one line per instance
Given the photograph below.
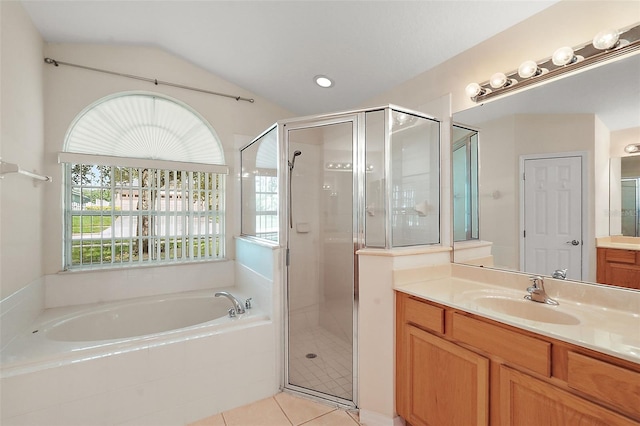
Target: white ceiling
x=275 y=48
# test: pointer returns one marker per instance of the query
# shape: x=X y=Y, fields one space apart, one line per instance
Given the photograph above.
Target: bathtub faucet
x=238 y=307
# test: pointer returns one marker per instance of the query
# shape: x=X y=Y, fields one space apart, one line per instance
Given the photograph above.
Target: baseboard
x=371 y=418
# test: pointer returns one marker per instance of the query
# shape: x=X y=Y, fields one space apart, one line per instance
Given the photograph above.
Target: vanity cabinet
x=525 y=400
x=434 y=396
x=456 y=368
x=618 y=267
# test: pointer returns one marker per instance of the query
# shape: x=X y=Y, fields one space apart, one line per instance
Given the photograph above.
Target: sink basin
x=526 y=309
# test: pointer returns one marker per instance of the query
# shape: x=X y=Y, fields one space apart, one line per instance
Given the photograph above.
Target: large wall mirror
x=544 y=191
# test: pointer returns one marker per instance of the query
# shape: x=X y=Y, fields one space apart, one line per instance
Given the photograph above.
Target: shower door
x=322 y=237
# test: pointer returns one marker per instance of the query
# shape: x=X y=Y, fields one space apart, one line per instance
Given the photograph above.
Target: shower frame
x=358 y=149
x=357 y=117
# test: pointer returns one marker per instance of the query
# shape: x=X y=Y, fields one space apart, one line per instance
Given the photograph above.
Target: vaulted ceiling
x=275 y=48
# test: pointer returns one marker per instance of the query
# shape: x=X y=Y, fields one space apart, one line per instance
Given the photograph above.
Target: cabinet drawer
x=621 y=256
x=424 y=315
x=607 y=382
x=516 y=348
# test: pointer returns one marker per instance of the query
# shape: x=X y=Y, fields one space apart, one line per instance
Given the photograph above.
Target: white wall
x=21 y=198
x=615 y=196
x=498 y=190
x=602 y=147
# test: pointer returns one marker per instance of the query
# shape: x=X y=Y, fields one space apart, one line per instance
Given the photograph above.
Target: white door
x=553 y=216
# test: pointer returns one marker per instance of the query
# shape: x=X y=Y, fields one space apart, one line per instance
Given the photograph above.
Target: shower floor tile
x=330 y=370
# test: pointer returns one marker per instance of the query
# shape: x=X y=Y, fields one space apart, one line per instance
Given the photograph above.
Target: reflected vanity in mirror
x=544 y=199
x=619 y=253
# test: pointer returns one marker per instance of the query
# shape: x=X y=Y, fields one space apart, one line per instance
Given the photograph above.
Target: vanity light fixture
x=323 y=81
x=606 y=45
x=632 y=148
x=338 y=166
x=474 y=89
x=344 y=166
x=564 y=56
x=606 y=39
x=499 y=80
x=529 y=69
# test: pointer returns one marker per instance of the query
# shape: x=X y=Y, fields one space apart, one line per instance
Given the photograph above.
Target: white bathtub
x=156 y=360
x=71 y=334
x=131 y=319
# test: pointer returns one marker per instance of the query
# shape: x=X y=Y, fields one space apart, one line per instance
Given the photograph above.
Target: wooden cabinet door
x=623 y=275
x=526 y=401
x=445 y=384
x=618 y=267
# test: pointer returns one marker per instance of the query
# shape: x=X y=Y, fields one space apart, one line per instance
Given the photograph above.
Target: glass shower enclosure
x=465 y=184
x=324 y=187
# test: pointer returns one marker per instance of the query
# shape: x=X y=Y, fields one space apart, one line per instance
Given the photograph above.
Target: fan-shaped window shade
x=142 y=125
x=267 y=156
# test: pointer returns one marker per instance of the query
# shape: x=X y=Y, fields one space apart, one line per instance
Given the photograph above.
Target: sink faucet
x=238 y=308
x=537 y=293
x=560 y=274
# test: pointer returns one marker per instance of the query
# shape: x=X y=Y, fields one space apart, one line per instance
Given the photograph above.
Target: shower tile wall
x=305 y=188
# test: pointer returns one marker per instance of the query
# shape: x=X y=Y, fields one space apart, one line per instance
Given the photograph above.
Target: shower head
x=292 y=163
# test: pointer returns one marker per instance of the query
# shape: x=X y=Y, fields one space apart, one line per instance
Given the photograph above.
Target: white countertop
x=619 y=242
x=601 y=328
x=623 y=246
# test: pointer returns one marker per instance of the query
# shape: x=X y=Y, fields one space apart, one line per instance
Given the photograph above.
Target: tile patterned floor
x=330 y=371
x=283 y=410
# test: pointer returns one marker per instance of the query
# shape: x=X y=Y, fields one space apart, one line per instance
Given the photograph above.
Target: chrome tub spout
x=238 y=307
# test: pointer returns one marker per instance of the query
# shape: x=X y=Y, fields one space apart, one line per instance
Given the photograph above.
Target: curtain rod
x=150 y=80
x=6 y=168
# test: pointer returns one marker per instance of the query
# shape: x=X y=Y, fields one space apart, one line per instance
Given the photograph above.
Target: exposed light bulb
x=606 y=39
x=528 y=69
x=563 y=56
x=498 y=80
x=402 y=117
x=473 y=89
x=631 y=148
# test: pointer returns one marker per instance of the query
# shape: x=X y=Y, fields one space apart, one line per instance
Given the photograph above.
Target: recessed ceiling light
x=323 y=81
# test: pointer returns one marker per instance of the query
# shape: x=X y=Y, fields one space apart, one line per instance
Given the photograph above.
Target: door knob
x=574 y=242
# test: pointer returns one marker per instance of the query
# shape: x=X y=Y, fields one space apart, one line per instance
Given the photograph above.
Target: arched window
x=144 y=184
